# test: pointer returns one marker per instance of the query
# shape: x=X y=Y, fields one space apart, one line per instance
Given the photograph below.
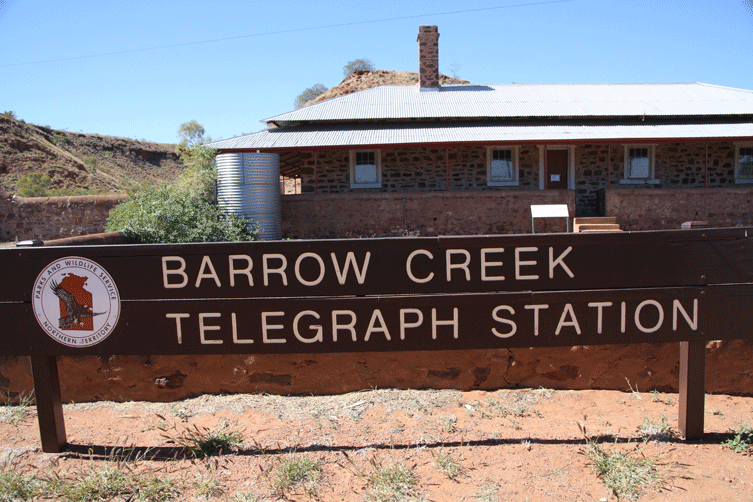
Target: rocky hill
x=97 y=164
x=360 y=80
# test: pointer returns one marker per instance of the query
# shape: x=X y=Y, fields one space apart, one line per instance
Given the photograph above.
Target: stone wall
x=419 y=213
x=676 y=165
x=667 y=208
x=416 y=170
x=43 y=218
x=729 y=370
x=426 y=170
x=679 y=164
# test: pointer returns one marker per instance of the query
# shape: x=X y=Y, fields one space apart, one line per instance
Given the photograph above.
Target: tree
x=200 y=172
x=358 y=65
x=191 y=134
x=185 y=211
x=312 y=92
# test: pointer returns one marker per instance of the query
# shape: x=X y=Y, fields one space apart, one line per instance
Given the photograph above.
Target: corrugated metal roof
x=471 y=132
x=527 y=100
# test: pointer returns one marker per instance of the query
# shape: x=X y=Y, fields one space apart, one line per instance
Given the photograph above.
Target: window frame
x=515 y=165
x=650 y=179
x=377 y=160
x=739 y=179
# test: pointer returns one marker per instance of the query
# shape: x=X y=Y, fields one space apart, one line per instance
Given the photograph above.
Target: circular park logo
x=76 y=302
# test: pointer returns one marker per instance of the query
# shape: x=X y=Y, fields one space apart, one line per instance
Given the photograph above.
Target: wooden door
x=557 y=169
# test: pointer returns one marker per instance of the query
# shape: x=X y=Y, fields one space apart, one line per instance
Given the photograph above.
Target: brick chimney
x=428 y=58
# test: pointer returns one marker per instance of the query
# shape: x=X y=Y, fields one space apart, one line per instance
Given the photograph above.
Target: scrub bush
x=33 y=185
x=171 y=215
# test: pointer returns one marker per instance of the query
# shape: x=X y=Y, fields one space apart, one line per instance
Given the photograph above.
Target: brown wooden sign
x=402 y=266
x=378 y=294
x=394 y=323
x=396 y=294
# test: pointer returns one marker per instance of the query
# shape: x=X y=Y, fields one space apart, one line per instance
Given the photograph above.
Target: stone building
x=472 y=159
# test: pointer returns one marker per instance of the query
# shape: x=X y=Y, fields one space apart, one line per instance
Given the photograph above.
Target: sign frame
x=389 y=294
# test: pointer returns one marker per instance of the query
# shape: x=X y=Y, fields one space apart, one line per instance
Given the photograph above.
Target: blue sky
x=228 y=64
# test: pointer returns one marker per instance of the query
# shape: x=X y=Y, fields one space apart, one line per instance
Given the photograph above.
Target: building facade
x=472 y=159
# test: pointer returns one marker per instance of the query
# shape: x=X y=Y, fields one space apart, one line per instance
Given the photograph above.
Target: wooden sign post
x=377 y=295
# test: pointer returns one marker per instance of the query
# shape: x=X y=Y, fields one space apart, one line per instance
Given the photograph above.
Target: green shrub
x=627 y=475
x=59 y=139
x=105 y=484
x=202 y=441
x=743 y=440
x=200 y=174
x=170 y=215
x=312 y=92
x=33 y=185
x=15 y=485
x=297 y=470
x=91 y=164
x=391 y=482
x=186 y=211
x=357 y=65
x=133 y=188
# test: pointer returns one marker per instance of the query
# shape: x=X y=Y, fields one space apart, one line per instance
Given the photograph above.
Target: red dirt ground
x=503 y=445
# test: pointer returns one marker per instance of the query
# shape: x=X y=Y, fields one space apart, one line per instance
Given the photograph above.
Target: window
x=639 y=165
x=365 y=169
x=744 y=164
x=502 y=166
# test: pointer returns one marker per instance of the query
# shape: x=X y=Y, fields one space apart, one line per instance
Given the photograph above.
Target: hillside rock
x=100 y=164
x=361 y=80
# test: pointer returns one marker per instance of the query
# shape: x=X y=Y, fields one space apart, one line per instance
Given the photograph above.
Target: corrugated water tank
x=248 y=184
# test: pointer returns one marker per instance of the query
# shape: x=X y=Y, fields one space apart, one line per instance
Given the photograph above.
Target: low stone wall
x=419 y=213
x=668 y=208
x=645 y=367
x=43 y=218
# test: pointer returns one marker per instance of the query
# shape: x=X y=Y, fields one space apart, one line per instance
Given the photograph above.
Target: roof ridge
x=724 y=87
x=328 y=101
x=592 y=83
x=387 y=102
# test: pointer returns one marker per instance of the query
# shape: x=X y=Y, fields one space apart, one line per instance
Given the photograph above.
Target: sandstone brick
x=418 y=213
x=45 y=218
x=167 y=378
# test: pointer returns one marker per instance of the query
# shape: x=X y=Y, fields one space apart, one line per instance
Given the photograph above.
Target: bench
x=596 y=224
